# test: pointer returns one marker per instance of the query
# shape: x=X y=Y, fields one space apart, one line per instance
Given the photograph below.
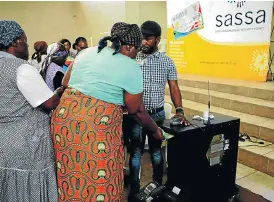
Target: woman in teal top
x=108 y=75
x=87 y=125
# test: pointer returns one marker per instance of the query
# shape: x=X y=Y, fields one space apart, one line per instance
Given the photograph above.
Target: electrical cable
x=254 y=145
x=245 y=137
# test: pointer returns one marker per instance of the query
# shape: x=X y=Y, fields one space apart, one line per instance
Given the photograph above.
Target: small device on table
x=150 y=192
x=176 y=121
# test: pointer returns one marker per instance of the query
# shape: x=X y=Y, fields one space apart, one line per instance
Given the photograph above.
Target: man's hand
x=182 y=119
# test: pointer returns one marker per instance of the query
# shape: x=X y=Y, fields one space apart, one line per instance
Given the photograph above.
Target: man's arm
x=175 y=93
x=174 y=89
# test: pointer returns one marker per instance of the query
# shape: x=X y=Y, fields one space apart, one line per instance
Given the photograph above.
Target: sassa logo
x=241 y=17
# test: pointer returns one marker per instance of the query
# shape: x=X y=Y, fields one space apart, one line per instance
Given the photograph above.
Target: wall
x=51 y=21
x=48 y=21
x=272 y=45
x=127 y=11
x=141 y=11
x=100 y=16
x=151 y=10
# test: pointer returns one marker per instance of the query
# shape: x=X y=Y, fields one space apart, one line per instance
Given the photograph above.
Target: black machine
x=202 y=159
x=153 y=192
x=150 y=192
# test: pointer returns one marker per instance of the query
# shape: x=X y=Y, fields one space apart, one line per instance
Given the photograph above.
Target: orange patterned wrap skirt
x=87 y=137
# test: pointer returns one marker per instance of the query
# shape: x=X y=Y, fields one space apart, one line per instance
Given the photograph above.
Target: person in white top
x=27 y=163
x=40 y=54
x=52 y=70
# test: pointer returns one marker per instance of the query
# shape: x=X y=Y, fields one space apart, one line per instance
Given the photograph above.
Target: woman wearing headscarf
x=27 y=164
x=38 y=57
x=79 y=45
x=87 y=125
x=53 y=71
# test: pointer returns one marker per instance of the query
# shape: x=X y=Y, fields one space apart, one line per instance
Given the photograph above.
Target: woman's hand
x=59 y=91
x=53 y=102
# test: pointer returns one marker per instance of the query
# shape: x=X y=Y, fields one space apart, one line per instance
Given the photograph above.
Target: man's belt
x=154 y=111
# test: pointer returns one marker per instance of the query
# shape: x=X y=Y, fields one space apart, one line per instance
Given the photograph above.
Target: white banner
x=220 y=38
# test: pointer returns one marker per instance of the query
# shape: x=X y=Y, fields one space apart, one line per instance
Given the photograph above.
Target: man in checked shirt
x=158 y=69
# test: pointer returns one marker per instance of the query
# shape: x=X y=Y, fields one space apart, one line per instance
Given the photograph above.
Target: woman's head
x=40 y=48
x=126 y=39
x=80 y=44
x=66 y=43
x=13 y=39
x=57 y=54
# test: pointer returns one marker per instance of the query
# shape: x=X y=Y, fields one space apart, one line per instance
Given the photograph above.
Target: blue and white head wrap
x=9 y=31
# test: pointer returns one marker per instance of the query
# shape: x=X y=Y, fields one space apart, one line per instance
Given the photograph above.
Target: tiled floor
x=255 y=181
x=247 y=177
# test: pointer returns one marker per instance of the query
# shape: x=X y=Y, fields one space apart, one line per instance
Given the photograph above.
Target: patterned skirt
x=87 y=138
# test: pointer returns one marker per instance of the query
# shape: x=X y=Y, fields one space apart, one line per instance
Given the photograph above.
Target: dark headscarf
x=9 y=32
x=122 y=34
x=57 y=54
x=40 y=48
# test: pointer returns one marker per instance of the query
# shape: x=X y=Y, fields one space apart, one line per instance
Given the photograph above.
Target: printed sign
x=187 y=21
x=233 y=42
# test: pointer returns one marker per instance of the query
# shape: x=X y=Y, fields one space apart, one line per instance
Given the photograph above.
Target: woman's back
x=20 y=122
x=106 y=76
x=54 y=76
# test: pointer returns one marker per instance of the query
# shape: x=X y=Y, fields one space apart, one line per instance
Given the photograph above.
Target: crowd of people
x=64 y=126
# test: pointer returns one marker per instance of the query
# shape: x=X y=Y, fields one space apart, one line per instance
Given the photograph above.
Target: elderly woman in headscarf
x=40 y=54
x=27 y=164
x=87 y=124
x=53 y=71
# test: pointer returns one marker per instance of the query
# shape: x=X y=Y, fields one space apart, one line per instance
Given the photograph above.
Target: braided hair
x=116 y=44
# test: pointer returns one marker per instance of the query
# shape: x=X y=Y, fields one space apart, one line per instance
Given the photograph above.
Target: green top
x=105 y=76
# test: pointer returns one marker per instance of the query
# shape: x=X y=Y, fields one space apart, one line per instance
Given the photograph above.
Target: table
x=192 y=166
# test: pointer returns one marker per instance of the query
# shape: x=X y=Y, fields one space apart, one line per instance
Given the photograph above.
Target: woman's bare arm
x=135 y=107
x=53 y=102
x=67 y=76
